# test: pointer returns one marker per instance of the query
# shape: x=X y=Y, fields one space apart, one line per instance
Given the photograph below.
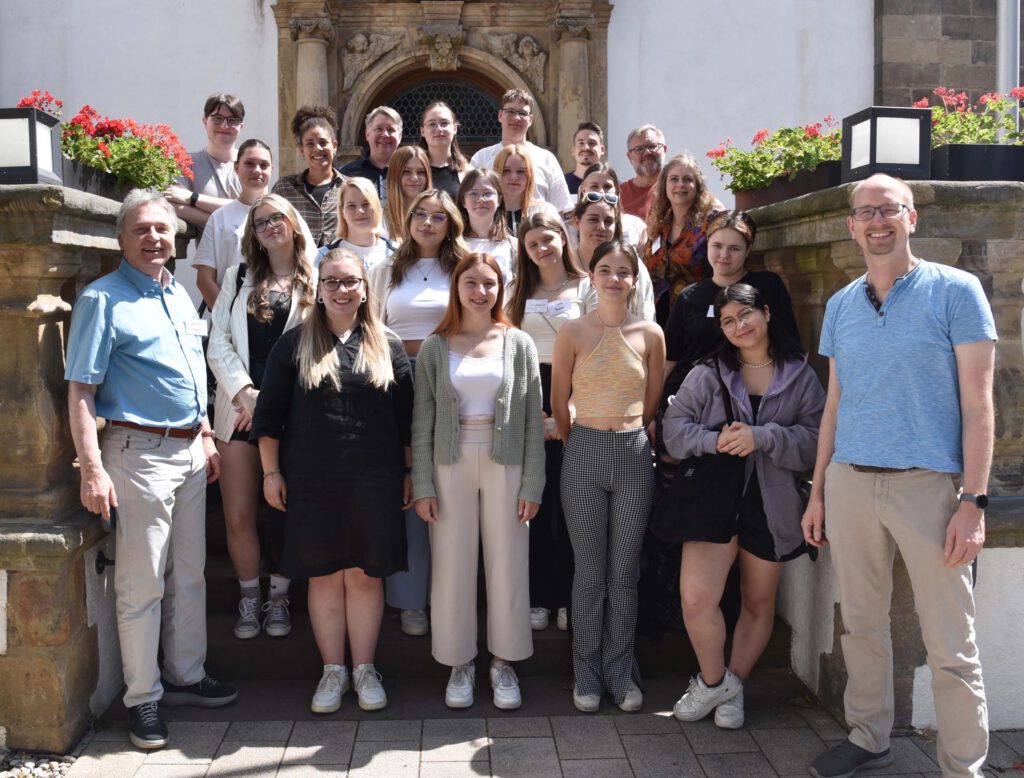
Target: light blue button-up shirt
x=140 y=342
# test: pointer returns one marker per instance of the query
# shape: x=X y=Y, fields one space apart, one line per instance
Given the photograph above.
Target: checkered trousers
x=607 y=492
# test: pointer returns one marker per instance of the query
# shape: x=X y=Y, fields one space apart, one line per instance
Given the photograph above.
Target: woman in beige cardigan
x=258 y=301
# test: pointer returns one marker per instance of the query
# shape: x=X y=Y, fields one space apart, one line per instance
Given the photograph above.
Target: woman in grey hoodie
x=777 y=402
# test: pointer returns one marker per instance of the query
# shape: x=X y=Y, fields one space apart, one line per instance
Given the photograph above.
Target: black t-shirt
x=573 y=182
x=363 y=168
x=447 y=180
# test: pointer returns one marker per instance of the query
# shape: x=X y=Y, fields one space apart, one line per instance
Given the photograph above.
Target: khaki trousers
x=161 y=555
x=477 y=501
x=868 y=516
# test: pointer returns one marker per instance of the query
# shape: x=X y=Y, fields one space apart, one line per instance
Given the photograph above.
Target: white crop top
x=503 y=252
x=544 y=327
x=416 y=306
x=476 y=381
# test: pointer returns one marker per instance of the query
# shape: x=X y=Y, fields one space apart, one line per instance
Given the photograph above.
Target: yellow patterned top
x=611 y=381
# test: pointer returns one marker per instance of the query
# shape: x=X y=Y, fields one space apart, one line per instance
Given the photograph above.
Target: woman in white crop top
x=544 y=296
x=411 y=291
x=478 y=476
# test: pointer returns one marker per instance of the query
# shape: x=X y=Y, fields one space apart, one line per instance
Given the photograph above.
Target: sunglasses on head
x=599 y=197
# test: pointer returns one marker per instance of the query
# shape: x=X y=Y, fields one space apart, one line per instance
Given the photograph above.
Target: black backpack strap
x=726 y=397
x=239 y=280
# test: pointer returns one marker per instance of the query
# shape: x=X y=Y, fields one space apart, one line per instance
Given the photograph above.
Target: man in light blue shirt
x=909 y=415
x=135 y=358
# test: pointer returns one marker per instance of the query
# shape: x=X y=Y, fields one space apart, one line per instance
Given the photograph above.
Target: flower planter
x=826 y=175
x=978 y=162
x=86 y=178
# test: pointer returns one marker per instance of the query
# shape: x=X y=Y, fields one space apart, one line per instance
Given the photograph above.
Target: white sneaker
x=729 y=715
x=415 y=623
x=366 y=681
x=459 y=693
x=248 y=624
x=634 y=699
x=333 y=684
x=585 y=703
x=539 y=618
x=699 y=700
x=562 y=621
x=506 y=686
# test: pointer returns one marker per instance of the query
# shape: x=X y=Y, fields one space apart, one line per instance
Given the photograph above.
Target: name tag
x=655 y=245
x=536 y=305
x=711 y=311
x=556 y=307
x=199 y=327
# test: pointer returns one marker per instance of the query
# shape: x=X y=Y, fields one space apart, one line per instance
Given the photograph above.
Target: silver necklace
x=558 y=288
x=757 y=367
x=426 y=276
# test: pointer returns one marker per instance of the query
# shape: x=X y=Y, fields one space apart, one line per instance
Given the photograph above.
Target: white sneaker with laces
x=539 y=618
x=506 y=686
x=248 y=624
x=366 y=681
x=333 y=684
x=563 y=619
x=415 y=623
x=459 y=692
x=700 y=699
x=729 y=715
x=634 y=699
x=585 y=703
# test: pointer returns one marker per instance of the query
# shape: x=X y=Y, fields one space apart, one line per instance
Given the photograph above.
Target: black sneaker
x=208 y=693
x=846 y=759
x=146 y=729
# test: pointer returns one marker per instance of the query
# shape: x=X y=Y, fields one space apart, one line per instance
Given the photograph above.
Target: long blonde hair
x=398 y=203
x=317 y=357
x=258 y=261
x=367 y=190
x=530 y=191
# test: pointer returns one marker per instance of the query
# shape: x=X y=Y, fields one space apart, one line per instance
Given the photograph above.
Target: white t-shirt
x=221 y=244
x=549 y=180
x=415 y=307
x=371 y=255
x=543 y=318
x=503 y=251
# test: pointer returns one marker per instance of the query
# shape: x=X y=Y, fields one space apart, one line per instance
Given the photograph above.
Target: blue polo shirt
x=134 y=338
x=900 y=401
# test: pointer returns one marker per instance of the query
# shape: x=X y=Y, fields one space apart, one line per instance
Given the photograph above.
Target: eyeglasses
x=519 y=113
x=349 y=284
x=220 y=121
x=651 y=148
x=481 y=194
x=599 y=197
x=274 y=220
x=442 y=124
x=437 y=219
x=744 y=317
x=890 y=211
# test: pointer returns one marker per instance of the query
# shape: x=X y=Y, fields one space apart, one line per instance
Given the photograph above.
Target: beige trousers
x=868 y=516
x=477 y=501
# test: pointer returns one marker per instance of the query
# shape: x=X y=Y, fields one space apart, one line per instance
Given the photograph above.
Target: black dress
x=342 y=457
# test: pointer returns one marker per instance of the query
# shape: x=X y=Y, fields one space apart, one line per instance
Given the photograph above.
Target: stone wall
x=978 y=227
x=922 y=44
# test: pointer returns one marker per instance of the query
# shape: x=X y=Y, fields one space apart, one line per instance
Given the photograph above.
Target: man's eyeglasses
x=274 y=220
x=220 y=121
x=437 y=219
x=519 y=113
x=866 y=213
x=332 y=284
x=652 y=148
x=599 y=197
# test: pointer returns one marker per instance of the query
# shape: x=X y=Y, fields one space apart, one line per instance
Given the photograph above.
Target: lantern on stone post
x=30 y=147
x=886 y=139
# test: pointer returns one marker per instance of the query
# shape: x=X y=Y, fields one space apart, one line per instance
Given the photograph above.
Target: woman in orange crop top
x=611 y=363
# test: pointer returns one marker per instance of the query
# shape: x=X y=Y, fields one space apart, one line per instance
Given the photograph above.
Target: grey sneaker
x=846 y=759
x=366 y=681
x=248 y=624
x=700 y=699
x=539 y=618
x=415 y=623
x=278 y=621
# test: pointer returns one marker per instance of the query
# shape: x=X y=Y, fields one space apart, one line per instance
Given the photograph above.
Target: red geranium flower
x=760 y=135
x=922 y=103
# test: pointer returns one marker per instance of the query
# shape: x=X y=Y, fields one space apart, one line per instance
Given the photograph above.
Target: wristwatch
x=193 y=199
x=981 y=500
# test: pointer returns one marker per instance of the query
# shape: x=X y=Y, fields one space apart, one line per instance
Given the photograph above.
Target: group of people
x=418 y=356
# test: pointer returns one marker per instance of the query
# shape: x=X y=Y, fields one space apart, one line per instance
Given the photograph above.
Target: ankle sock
x=714 y=685
x=249 y=588
x=279 y=586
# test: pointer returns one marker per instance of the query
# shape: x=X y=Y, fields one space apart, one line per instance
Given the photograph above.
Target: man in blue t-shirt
x=909 y=418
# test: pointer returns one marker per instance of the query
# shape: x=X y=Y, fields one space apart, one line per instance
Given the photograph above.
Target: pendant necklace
x=426 y=276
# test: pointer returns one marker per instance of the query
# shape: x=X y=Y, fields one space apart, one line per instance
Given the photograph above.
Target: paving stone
x=646 y=724
x=907 y=758
x=789 y=750
x=460 y=729
x=313 y=771
x=172 y=771
x=252 y=759
x=455 y=740
x=824 y=726
x=524 y=756
x=586 y=737
x=117 y=732
x=190 y=742
x=1001 y=757
x=320 y=742
x=527 y=726
x=750 y=765
x=107 y=759
x=1014 y=739
x=596 y=768
x=756 y=717
x=389 y=730
x=661 y=755
x=454 y=769
x=398 y=759
x=706 y=738
x=260 y=731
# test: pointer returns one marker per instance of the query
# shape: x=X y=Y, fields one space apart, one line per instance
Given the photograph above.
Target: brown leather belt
x=873 y=469
x=184 y=433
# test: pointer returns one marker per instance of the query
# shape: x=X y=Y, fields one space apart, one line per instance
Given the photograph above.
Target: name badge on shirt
x=536 y=305
x=556 y=307
x=711 y=311
x=199 y=327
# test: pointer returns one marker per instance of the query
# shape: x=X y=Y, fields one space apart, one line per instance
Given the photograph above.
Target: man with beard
x=587 y=149
x=646 y=149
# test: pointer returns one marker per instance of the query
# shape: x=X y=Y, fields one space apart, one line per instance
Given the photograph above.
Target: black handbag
x=705 y=492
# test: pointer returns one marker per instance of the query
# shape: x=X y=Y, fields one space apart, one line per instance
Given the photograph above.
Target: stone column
x=312 y=36
x=573 y=34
